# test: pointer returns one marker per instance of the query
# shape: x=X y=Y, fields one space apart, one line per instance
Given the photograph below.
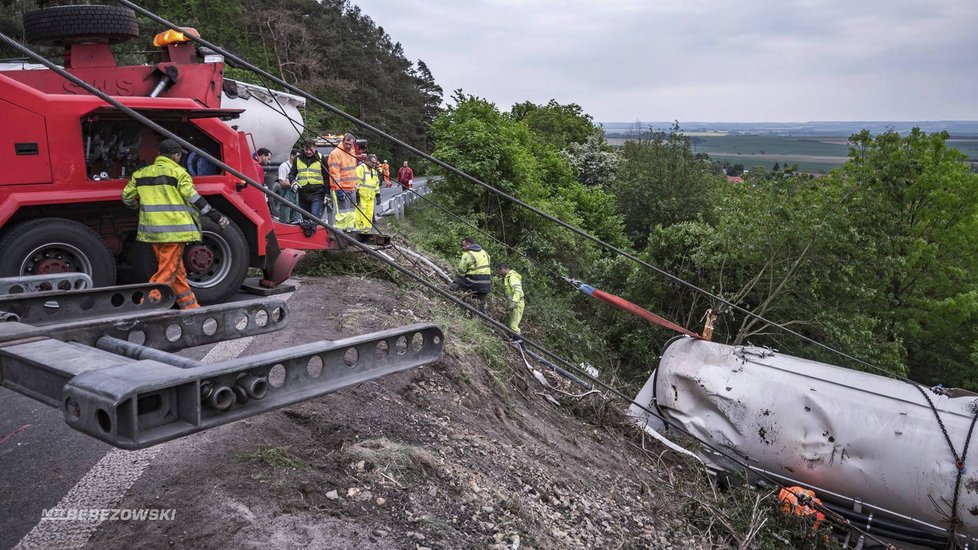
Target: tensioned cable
x=541 y=213
x=445 y=294
x=350 y=118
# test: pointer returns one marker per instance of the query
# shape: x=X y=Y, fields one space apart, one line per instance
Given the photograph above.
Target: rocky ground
x=464 y=453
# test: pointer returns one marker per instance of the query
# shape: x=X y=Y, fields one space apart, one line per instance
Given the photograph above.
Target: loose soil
x=456 y=454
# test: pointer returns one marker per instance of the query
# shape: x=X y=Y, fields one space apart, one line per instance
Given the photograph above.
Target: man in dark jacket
x=309 y=175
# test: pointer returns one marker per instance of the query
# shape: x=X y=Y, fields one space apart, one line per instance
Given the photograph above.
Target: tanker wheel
x=56 y=245
x=84 y=23
x=216 y=268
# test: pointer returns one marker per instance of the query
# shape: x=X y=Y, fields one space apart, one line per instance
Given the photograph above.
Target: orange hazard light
x=173 y=36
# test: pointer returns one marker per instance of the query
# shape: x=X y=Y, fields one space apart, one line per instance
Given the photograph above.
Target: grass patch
x=274 y=457
x=386 y=455
x=353 y=263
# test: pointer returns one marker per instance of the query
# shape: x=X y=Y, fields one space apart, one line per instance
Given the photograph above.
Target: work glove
x=512 y=305
x=219 y=219
x=295 y=187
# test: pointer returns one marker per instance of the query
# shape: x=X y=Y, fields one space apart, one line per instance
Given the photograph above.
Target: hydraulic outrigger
x=105 y=357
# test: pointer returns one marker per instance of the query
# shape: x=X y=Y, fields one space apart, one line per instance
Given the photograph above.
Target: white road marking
x=106 y=484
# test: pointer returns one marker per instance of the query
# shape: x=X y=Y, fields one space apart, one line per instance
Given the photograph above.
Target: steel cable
x=448 y=167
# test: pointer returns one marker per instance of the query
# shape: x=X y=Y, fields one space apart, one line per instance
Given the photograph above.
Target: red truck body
x=67 y=156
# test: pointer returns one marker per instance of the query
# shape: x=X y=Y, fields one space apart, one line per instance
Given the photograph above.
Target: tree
x=474 y=136
x=556 y=124
x=595 y=162
x=918 y=202
x=662 y=182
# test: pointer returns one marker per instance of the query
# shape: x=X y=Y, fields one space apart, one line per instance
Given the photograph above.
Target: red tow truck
x=67 y=155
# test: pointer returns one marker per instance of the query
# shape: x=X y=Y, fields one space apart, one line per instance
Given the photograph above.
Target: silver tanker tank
x=858 y=439
x=264 y=117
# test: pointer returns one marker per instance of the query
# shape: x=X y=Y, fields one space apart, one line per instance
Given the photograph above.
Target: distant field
x=966 y=146
x=811 y=154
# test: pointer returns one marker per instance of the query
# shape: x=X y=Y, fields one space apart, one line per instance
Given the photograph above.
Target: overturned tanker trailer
x=872 y=448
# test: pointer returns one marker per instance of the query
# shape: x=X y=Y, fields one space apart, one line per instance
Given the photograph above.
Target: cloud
x=708 y=60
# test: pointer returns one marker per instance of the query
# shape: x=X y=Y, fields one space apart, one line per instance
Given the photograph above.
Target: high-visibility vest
x=342 y=169
x=369 y=181
x=309 y=174
x=513 y=284
x=166 y=197
x=800 y=502
x=475 y=264
x=385 y=169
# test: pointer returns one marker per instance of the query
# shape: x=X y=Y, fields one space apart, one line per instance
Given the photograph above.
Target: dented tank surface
x=867 y=437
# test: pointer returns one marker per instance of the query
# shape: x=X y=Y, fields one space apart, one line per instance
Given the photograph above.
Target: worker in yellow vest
x=476 y=274
x=308 y=176
x=368 y=187
x=168 y=207
x=515 y=298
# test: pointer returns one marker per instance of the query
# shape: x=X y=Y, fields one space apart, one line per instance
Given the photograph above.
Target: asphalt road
x=395 y=189
x=41 y=458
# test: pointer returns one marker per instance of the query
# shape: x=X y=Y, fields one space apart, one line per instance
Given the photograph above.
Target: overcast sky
x=702 y=60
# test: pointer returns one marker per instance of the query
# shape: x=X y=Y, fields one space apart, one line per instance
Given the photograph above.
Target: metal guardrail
x=115 y=378
x=42 y=283
x=396 y=205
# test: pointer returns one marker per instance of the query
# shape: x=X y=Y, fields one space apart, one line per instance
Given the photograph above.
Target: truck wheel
x=67 y=24
x=56 y=245
x=216 y=268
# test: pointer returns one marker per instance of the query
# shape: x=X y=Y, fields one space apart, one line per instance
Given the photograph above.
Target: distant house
x=735 y=179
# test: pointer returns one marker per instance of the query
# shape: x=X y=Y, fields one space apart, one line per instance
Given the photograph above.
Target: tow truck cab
x=68 y=155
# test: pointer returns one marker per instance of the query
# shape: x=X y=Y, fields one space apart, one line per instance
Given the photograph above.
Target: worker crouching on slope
x=368 y=184
x=342 y=163
x=168 y=217
x=476 y=274
x=515 y=299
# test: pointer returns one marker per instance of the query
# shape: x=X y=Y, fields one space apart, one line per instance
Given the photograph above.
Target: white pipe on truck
x=263 y=117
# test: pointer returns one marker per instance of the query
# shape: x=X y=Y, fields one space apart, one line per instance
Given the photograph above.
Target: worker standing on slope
x=168 y=207
x=308 y=177
x=513 y=285
x=476 y=274
x=368 y=183
x=342 y=163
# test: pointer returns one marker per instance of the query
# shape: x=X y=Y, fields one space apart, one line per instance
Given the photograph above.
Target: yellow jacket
x=368 y=179
x=168 y=203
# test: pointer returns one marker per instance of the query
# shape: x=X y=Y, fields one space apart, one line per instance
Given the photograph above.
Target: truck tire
x=231 y=257
x=67 y=24
x=56 y=245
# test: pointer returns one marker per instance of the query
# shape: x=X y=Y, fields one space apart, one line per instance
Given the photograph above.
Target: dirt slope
x=453 y=455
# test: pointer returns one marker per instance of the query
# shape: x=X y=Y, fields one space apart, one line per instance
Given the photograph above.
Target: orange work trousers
x=169 y=257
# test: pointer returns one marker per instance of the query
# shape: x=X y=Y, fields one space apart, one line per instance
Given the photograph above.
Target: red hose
x=625 y=305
